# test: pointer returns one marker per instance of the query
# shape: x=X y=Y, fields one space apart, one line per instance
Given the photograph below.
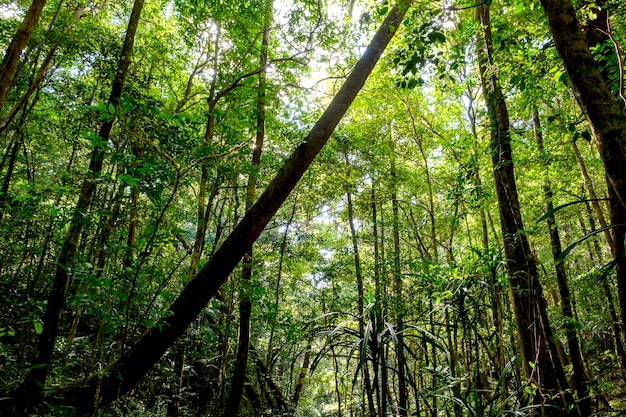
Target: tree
x=530 y=311
x=30 y=392
x=124 y=373
x=245 y=303
x=8 y=69
x=378 y=286
x=606 y=119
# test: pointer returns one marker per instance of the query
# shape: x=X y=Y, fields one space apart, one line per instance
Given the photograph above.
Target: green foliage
x=179 y=157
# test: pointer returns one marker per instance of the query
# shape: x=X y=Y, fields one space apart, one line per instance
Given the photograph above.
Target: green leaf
x=38 y=326
x=571 y=247
x=551 y=213
x=100 y=107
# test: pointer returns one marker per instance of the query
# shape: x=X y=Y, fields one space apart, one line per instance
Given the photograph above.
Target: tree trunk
x=40 y=74
x=376 y=313
x=245 y=302
x=13 y=52
x=606 y=118
x=304 y=372
x=30 y=392
x=591 y=191
x=540 y=362
x=580 y=379
x=361 y=299
x=124 y=374
x=279 y=275
x=403 y=401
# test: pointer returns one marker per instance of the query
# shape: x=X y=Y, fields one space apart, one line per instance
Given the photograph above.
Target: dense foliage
x=381 y=286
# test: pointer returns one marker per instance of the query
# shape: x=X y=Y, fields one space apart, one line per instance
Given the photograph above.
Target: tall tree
x=30 y=392
x=606 y=118
x=123 y=374
x=541 y=364
x=245 y=298
x=580 y=377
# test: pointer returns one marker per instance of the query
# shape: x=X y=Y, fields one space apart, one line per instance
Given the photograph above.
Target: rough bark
x=537 y=344
x=122 y=375
x=605 y=116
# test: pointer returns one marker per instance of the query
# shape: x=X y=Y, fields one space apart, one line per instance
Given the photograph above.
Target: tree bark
x=580 y=379
x=540 y=362
x=123 y=374
x=13 y=52
x=606 y=119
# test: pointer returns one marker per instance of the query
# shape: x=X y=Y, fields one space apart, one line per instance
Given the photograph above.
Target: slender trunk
x=12 y=151
x=403 y=401
x=129 y=257
x=245 y=301
x=597 y=209
x=304 y=371
x=376 y=313
x=360 y=301
x=580 y=379
x=384 y=313
x=277 y=400
x=429 y=184
x=8 y=69
x=336 y=373
x=591 y=191
x=30 y=392
x=496 y=295
x=202 y=222
x=279 y=275
x=540 y=359
x=124 y=373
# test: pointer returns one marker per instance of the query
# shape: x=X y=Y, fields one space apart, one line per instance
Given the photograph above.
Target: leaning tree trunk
x=606 y=118
x=30 y=392
x=537 y=342
x=40 y=74
x=13 y=52
x=124 y=374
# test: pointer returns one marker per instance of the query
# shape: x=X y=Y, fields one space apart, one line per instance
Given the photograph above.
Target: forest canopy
x=312 y=208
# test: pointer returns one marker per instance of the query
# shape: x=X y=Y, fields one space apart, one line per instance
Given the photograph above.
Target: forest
x=313 y=208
